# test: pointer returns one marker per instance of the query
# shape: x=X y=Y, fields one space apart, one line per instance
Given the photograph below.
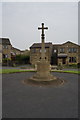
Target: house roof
x=38 y=45
x=47 y=45
x=15 y=49
x=70 y=42
x=5 y=41
x=56 y=45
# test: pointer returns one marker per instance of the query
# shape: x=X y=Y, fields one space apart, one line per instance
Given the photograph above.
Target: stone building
x=8 y=51
x=6 y=48
x=35 y=52
x=15 y=51
x=0 y=53
x=57 y=54
x=66 y=53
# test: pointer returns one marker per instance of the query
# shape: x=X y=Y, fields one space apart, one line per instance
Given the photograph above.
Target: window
x=5 y=46
x=41 y=50
x=72 y=50
x=61 y=50
x=45 y=50
x=55 y=51
x=72 y=59
x=6 y=56
x=33 y=50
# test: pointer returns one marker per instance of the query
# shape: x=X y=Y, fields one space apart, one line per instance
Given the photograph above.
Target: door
x=64 y=60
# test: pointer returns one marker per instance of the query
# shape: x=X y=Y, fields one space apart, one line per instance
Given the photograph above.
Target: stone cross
x=43 y=43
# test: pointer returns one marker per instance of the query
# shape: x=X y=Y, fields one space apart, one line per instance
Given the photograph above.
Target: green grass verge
x=14 y=71
x=74 y=72
x=18 y=70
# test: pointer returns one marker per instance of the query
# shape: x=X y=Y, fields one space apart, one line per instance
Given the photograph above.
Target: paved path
x=24 y=101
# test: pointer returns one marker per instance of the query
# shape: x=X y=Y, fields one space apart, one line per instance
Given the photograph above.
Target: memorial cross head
x=42 y=28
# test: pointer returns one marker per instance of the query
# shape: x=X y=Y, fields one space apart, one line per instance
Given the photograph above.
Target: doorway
x=64 y=61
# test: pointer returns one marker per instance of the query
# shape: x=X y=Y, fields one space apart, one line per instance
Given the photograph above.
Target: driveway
x=26 y=101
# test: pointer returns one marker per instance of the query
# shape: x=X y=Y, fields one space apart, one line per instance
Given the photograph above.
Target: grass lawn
x=19 y=70
x=75 y=72
x=14 y=71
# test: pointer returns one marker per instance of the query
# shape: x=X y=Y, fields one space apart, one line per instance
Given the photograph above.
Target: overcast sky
x=21 y=21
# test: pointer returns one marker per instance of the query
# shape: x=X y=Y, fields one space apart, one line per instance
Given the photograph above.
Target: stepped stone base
x=43 y=72
x=43 y=76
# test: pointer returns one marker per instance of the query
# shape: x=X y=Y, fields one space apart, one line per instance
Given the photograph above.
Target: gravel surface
x=20 y=100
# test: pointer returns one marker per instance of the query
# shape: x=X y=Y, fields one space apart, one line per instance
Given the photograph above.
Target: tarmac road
x=25 y=101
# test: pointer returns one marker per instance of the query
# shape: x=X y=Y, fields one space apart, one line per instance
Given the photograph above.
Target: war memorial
x=43 y=74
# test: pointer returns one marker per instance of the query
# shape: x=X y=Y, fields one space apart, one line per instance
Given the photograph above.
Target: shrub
x=78 y=65
x=6 y=61
x=22 y=59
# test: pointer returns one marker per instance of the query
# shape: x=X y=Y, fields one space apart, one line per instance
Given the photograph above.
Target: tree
x=22 y=59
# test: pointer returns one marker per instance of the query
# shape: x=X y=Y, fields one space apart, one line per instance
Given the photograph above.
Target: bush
x=73 y=65
x=78 y=65
x=6 y=62
x=22 y=59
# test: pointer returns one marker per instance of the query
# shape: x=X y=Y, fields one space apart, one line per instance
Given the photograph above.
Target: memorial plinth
x=43 y=72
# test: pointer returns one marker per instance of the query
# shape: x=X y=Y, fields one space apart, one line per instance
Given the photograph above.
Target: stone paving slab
x=26 y=101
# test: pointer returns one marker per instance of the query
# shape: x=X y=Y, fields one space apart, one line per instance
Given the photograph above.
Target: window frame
x=5 y=46
x=62 y=50
x=72 y=50
x=72 y=60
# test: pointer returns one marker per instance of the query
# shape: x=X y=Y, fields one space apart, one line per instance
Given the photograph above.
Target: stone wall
x=0 y=53
x=7 y=51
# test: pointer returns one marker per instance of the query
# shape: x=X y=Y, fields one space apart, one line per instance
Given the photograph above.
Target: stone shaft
x=43 y=44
